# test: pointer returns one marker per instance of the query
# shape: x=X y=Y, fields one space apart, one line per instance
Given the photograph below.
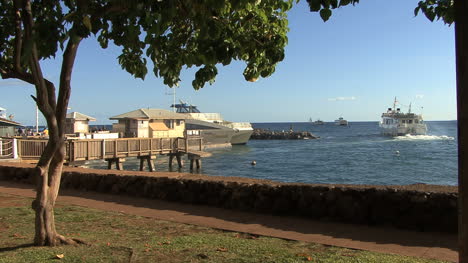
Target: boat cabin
x=195 y=113
x=398 y=117
x=150 y=123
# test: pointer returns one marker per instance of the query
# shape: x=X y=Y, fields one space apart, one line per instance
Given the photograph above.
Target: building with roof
x=7 y=126
x=76 y=122
x=150 y=123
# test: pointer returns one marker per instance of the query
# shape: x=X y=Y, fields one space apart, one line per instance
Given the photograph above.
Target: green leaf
x=416 y=10
x=334 y=3
x=344 y=2
x=325 y=14
x=314 y=5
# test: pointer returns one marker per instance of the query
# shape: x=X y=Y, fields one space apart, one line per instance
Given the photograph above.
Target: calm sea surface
x=356 y=154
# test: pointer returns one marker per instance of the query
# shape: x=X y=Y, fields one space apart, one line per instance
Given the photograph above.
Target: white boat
x=341 y=122
x=240 y=131
x=396 y=123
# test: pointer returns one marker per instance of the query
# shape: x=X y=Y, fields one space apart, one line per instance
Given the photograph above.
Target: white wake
x=424 y=137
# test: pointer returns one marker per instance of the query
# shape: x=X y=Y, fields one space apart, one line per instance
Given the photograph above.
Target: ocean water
x=356 y=154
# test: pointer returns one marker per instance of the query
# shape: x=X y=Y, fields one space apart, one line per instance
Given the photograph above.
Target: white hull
x=241 y=137
x=401 y=130
x=236 y=132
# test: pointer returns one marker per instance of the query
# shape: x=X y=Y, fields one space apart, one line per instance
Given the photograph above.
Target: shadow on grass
x=8 y=249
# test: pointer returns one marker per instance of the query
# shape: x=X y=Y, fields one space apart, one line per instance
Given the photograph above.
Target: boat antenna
x=409 y=108
x=394 y=104
x=173 y=93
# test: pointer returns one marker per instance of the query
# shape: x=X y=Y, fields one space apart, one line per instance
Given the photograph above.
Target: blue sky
x=351 y=66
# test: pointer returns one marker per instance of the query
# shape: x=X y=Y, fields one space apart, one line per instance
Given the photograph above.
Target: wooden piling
x=149 y=160
x=194 y=159
x=178 y=156
x=118 y=163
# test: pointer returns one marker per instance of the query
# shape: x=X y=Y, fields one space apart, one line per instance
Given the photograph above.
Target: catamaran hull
x=241 y=137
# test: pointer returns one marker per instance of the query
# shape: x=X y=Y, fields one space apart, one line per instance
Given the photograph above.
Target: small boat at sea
x=317 y=122
x=397 y=123
x=341 y=122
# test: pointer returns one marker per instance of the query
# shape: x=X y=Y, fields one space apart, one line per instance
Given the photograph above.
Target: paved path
x=386 y=240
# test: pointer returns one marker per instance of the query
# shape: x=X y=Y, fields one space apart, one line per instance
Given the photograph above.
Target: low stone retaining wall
x=416 y=207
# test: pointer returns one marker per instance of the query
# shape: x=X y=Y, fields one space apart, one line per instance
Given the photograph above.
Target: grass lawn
x=116 y=237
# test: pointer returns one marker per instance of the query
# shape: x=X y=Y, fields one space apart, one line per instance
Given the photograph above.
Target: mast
x=173 y=99
x=37 y=119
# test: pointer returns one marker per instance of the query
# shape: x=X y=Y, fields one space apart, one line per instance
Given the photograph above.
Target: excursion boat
x=397 y=123
x=213 y=127
x=341 y=122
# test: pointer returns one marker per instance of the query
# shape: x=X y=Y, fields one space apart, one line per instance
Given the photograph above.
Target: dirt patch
x=11 y=201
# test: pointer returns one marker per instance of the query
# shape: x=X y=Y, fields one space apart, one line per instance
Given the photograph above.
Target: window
x=169 y=123
x=410 y=121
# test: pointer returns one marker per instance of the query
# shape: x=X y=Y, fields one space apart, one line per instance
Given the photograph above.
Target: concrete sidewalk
x=441 y=246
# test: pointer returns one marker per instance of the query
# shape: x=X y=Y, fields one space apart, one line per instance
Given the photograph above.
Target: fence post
x=15 y=149
x=103 y=148
x=186 y=140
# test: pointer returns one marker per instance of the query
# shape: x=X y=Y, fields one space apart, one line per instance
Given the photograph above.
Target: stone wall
x=416 y=207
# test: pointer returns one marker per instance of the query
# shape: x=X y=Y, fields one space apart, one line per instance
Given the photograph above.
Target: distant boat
x=341 y=122
x=396 y=123
x=317 y=122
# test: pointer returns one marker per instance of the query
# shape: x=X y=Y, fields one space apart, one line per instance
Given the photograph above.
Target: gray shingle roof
x=151 y=114
x=6 y=122
x=79 y=116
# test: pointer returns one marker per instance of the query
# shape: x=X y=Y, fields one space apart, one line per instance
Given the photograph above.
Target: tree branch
x=45 y=92
x=18 y=37
x=26 y=77
x=12 y=74
x=69 y=57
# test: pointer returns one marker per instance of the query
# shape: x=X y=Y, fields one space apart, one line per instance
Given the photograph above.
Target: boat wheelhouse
x=397 y=123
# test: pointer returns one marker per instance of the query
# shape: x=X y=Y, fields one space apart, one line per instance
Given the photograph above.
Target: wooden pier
x=114 y=151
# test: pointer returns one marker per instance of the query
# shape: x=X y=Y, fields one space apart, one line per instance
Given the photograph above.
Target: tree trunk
x=461 y=44
x=48 y=183
x=26 y=66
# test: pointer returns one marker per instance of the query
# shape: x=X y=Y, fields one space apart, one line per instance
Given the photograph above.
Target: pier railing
x=93 y=149
x=6 y=148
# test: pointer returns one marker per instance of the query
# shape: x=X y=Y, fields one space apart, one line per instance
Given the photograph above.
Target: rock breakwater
x=261 y=134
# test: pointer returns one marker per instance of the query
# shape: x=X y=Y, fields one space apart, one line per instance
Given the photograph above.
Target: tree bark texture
x=461 y=44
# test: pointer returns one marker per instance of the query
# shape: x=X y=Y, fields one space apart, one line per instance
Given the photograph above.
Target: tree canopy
x=171 y=34
x=433 y=9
